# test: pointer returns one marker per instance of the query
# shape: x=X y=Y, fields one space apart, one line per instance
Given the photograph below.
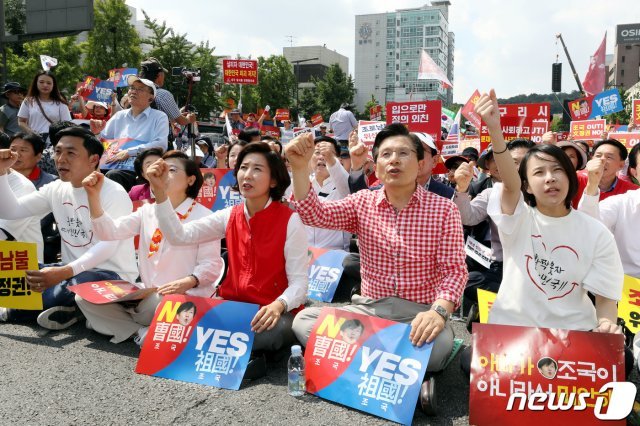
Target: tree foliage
x=113 y=41
x=65 y=49
x=335 y=88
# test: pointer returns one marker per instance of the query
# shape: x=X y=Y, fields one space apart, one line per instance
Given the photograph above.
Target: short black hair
x=520 y=143
x=139 y=161
x=267 y=138
x=332 y=141
x=33 y=138
x=613 y=142
x=89 y=140
x=562 y=158
x=55 y=128
x=4 y=140
x=248 y=134
x=185 y=307
x=396 y=129
x=276 y=166
x=190 y=168
x=351 y=323
x=633 y=157
x=546 y=361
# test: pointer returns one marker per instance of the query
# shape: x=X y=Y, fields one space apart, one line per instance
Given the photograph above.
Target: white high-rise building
x=388 y=47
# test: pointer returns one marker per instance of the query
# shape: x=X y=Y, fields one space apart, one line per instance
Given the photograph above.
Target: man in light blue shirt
x=135 y=130
x=342 y=123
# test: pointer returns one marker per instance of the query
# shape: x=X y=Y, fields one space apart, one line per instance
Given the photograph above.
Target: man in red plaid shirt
x=411 y=242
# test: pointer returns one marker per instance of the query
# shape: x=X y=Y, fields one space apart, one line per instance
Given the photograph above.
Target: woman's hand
x=267 y=317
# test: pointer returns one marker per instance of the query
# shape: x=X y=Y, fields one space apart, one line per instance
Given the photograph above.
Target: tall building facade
x=624 y=70
x=313 y=62
x=387 y=54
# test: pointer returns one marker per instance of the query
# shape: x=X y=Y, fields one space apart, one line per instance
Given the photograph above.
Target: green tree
x=623 y=116
x=113 y=41
x=366 y=113
x=309 y=104
x=174 y=50
x=335 y=88
x=15 y=18
x=65 y=49
x=276 y=82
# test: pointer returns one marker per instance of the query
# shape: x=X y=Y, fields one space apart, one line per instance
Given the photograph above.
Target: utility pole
x=297 y=68
x=573 y=69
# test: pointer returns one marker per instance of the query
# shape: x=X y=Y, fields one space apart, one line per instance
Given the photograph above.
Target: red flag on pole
x=595 y=79
x=429 y=70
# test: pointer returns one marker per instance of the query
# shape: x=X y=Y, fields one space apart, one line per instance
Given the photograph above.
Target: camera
x=189 y=74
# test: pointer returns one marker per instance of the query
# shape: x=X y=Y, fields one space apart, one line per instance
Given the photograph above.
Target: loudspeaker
x=556 y=77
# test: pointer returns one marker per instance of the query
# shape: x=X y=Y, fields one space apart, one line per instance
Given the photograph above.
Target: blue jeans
x=59 y=295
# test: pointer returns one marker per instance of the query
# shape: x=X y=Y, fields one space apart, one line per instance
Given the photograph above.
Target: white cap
x=133 y=78
x=426 y=139
x=92 y=104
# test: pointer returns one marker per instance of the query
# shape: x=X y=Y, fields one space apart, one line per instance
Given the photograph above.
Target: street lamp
x=297 y=66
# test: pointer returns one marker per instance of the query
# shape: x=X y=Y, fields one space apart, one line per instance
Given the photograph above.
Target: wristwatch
x=441 y=311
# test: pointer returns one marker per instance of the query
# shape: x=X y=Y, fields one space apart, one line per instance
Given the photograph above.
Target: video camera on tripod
x=189 y=74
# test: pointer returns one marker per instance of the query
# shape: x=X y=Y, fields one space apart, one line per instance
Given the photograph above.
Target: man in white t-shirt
x=84 y=257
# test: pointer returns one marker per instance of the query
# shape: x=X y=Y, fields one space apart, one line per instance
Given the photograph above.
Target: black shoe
x=256 y=368
x=472 y=316
x=58 y=317
x=427 y=398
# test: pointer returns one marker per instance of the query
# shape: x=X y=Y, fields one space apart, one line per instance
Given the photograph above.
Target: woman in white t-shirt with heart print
x=43 y=105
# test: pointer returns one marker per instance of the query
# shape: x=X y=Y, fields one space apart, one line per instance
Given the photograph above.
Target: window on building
x=397 y=67
x=622 y=60
x=628 y=47
x=621 y=73
x=377 y=44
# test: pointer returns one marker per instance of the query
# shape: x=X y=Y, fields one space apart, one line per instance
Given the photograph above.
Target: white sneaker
x=142 y=333
x=4 y=314
x=58 y=317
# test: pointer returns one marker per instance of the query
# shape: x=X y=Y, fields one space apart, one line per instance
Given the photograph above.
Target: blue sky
x=509 y=45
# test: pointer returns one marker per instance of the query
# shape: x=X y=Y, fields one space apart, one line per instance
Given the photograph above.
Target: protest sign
x=282 y=114
x=605 y=103
x=469 y=112
x=423 y=116
x=538 y=129
x=635 y=112
x=15 y=259
x=101 y=92
x=485 y=302
x=627 y=139
x=272 y=131
x=103 y=292
x=587 y=129
x=366 y=363
x=478 y=252
x=450 y=149
x=118 y=76
x=240 y=71
x=199 y=340
x=209 y=191
x=375 y=113
x=564 y=369
x=517 y=121
x=562 y=136
x=629 y=305
x=225 y=195
x=87 y=86
x=297 y=131
x=112 y=147
x=317 y=119
x=325 y=270
x=580 y=109
x=367 y=131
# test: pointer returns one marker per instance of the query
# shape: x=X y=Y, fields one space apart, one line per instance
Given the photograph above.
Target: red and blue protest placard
x=366 y=363
x=517 y=121
x=587 y=129
x=101 y=92
x=103 y=292
x=469 y=110
x=240 y=71
x=423 y=116
x=199 y=340
x=375 y=113
x=217 y=190
x=532 y=376
x=112 y=147
x=325 y=271
x=118 y=76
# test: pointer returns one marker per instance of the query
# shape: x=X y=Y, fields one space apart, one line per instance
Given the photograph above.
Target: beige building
x=624 y=69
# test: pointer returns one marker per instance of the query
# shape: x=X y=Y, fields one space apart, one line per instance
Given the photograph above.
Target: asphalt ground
x=77 y=376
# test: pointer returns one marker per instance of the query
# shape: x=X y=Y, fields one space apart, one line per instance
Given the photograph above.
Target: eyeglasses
x=138 y=89
x=402 y=154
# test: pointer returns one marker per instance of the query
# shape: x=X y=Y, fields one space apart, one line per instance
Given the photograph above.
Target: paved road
x=76 y=376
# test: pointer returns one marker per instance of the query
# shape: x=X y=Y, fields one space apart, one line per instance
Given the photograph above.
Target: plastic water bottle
x=296 y=372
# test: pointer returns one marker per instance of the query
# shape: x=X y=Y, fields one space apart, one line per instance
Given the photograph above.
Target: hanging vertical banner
x=366 y=363
x=199 y=340
x=535 y=376
x=15 y=259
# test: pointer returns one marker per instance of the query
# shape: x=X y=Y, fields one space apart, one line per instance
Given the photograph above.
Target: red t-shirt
x=620 y=186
